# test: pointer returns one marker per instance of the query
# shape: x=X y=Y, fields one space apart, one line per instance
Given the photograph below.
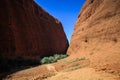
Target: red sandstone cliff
x=27 y=30
x=97 y=34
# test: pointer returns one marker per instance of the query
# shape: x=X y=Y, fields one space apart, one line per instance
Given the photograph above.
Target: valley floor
x=74 y=69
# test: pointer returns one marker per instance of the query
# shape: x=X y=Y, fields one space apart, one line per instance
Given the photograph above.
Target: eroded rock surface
x=29 y=31
x=97 y=34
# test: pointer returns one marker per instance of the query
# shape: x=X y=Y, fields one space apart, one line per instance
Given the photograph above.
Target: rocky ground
x=65 y=69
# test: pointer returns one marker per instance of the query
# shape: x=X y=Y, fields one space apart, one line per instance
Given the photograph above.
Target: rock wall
x=96 y=34
x=29 y=31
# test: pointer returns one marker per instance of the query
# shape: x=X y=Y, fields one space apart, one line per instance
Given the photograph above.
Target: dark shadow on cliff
x=9 y=66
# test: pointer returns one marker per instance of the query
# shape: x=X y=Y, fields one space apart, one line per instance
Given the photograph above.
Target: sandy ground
x=83 y=74
x=74 y=69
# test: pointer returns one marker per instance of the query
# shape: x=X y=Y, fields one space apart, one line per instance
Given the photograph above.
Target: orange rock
x=97 y=34
x=27 y=30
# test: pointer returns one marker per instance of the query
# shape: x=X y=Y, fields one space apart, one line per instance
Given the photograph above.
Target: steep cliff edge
x=27 y=30
x=97 y=34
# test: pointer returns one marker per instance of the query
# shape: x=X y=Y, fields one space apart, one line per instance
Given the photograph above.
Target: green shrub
x=53 y=58
x=74 y=67
x=44 y=60
x=56 y=56
x=63 y=56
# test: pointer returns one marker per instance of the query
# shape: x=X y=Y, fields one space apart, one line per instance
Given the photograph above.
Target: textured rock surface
x=97 y=34
x=29 y=31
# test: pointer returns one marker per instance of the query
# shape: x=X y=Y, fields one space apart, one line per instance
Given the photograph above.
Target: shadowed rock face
x=97 y=33
x=27 y=30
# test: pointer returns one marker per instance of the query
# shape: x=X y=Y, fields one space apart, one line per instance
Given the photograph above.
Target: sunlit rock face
x=96 y=34
x=29 y=31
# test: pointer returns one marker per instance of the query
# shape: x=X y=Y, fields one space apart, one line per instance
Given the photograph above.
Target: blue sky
x=66 y=11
